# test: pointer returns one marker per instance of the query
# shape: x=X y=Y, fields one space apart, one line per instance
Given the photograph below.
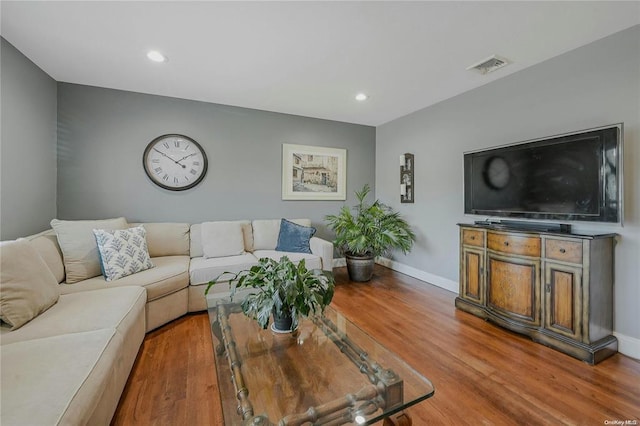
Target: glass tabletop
x=327 y=371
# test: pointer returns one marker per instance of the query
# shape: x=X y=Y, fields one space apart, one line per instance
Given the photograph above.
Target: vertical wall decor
x=407 y=190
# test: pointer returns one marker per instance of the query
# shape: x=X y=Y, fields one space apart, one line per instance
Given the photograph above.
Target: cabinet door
x=513 y=288
x=472 y=275
x=563 y=299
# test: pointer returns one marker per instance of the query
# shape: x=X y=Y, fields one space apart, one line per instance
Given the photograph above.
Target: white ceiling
x=304 y=58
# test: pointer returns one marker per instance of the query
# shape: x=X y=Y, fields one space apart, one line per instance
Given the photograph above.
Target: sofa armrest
x=324 y=249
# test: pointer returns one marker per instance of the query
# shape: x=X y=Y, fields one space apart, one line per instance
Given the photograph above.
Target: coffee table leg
x=398 y=419
x=215 y=328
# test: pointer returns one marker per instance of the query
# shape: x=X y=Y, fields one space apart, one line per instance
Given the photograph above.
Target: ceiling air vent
x=489 y=64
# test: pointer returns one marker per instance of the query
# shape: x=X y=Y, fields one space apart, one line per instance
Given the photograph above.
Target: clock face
x=175 y=162
x=497 y=173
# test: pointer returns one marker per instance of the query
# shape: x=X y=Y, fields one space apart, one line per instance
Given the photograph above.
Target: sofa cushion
x=84 y=311
x=203 y=270
x=44 y=381
x=294 y=238
x=78 y=245
x=311 y=260
x=170 y=274
x=167 y=239
x=46 y=244
x=220 y=239
x=265 y=232
x=123 y=252
x=196 y=238
x=27 y=285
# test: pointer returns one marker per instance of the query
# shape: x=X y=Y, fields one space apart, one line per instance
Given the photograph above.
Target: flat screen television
x=570 y=177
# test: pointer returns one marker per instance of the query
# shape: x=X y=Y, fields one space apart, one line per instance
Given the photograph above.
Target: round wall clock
x=497 y=173
x=175 y=162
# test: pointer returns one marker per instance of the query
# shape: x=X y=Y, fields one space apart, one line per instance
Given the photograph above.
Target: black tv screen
x=569 y=177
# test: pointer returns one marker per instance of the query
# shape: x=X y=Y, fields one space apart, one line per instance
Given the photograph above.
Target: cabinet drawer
x=514 y=244
x=473 y=237
x=566 y=251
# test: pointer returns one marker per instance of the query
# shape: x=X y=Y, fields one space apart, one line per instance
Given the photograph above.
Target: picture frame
x=313 y=173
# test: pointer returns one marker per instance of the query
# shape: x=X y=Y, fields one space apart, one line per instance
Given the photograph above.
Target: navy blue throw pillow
x=294 y=238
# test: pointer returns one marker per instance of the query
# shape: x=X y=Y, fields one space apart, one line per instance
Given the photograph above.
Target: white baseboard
x=436 y=280
x=627 y=345
x=339 y=262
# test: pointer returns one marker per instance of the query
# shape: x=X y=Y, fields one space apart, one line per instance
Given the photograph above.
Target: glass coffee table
x=326 y=372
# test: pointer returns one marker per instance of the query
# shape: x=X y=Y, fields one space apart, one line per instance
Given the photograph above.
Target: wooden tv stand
x=556 y=288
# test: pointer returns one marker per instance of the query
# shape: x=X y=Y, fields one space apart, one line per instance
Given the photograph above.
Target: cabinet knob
x=506 y=243
x=473 y=237
x=562 y=250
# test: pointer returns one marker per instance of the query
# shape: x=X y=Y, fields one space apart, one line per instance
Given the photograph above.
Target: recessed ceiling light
x=361 y=97
x=156 y=56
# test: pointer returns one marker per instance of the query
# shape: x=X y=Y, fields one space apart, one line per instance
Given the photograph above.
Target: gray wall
x=595 y=85
x=102 y=134
x=27 y=147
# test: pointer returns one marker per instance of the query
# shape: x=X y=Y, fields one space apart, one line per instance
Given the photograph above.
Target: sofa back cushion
x=167 y=239
x=266 y=232
x=221 y=239
x=79 y=247
x=46 y=244
x=27 y=285
x=196 y=238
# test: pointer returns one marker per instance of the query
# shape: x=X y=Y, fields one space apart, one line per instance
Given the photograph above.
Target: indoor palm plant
x=367 y=231
x=282 y=289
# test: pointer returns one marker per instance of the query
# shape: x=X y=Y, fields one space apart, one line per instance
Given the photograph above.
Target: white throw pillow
x=123 y=252
x=78 y=245
x=221 y=239
x=27 y=285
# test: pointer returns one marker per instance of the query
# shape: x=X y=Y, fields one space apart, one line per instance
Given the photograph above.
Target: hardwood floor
x=482 y=374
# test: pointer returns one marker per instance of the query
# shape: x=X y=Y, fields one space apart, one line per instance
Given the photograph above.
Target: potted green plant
x=282 y=289
x=370 y=230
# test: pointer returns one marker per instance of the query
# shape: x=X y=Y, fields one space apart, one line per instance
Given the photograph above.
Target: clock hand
x=187 y=156
x=170 y=158
x=165 y=155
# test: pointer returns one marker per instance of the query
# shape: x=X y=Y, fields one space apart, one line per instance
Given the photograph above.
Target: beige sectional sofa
x=71 y=362
x=260 y=239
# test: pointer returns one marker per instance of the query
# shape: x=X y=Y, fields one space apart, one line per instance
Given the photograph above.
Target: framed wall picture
x=313 y=173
